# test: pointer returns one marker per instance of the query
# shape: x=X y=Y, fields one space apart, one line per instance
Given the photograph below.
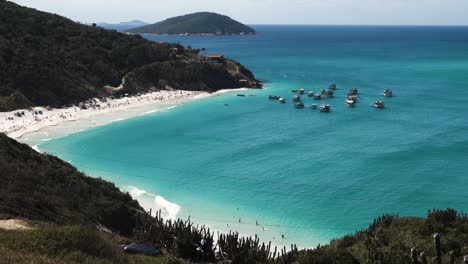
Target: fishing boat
x=353 y=91
x=311 y=93
x=301 y=91
x=296 y=98
x=299 y=105
x=314 y=106
x=282 y=100
x=388 y=93
x=317 y=97
x=332 y=86
x=329 y=93
x=325 y=108
x=350 y=102
x=273 y=97
x=379 y=104
x=352 y=97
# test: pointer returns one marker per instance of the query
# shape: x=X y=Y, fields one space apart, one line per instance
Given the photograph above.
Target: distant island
x=122 y=26
x=202 y=23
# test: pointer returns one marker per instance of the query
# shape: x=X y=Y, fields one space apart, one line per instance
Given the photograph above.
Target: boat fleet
x=351 y=98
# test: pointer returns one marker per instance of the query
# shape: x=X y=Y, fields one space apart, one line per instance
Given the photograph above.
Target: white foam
x=154 y=202
x=36 y=148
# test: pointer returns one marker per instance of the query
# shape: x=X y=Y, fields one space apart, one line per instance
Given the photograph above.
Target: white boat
x=325 y=108
x=282 y=100
x=353 y=91
x=317 y=97
x=314 y=106
x=301 y=91
x=299 y=105
x=296 y=98
x=379 y=104
x=388 y=93
x=350 y=102
x=323 y=91
x=329 y=93
x=311 y=93
x=332 y=86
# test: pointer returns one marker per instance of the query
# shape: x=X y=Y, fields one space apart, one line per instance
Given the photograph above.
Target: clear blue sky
x=341 y=12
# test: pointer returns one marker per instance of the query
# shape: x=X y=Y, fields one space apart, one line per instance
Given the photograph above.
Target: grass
x=68 y=244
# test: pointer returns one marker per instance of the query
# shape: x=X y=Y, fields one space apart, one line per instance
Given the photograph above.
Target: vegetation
x=69 y=244
x=46 y=59
x=196 y=23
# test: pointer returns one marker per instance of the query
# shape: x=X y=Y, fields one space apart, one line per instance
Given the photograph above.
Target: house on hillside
x=214 y=57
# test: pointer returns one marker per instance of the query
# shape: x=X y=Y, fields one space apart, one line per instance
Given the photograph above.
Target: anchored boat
x=353 y=91
x=379 y=104
x=299 y=105
x=296 y=98
x=325 y=108
x=301 y=91
x=332 y=86
x=274 y=97
x=388 y=93
x=317 y=97
x=311 y=93
x=314 y=106
x=282 y=100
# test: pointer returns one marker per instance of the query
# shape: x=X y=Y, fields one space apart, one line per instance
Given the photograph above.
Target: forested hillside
x=46 y=59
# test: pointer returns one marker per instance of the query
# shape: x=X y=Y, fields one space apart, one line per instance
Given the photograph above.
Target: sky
x=321 y=12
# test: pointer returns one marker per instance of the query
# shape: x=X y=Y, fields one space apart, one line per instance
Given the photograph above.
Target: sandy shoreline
x=19 y=123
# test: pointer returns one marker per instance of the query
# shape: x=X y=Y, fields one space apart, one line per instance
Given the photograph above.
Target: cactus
x=422 y=258
x=438 y=249
x=414 y=256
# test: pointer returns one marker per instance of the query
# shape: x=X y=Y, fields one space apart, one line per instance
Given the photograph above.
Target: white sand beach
x=94 y=112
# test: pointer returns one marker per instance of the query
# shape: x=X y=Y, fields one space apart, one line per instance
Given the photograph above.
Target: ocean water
x=306 y=175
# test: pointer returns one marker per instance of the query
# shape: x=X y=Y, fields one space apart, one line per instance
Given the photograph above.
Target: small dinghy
x=329 y=93
x=282 y=100
x=325 y=108
x=353 y=91
x=332 y=86
x=311 y=93
x=293 y=91
x=241 y=95
x=379 y=104
x=317 y=97
x=388 y=93
x=323 y=91
x=299 y=105
x=301 y=91
x=273 y=97
x=314 y=106
x=296 y=98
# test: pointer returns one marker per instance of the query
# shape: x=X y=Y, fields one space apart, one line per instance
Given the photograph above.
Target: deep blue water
x=307 y=175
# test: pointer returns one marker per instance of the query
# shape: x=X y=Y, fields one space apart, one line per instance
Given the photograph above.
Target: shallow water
x=307 y=175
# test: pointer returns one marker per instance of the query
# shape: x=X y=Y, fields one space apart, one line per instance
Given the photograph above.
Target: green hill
x=44 y=188
x=196 y=23
x=47 y=59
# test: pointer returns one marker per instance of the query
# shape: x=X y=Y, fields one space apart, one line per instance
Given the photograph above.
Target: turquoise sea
x=307 y=175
